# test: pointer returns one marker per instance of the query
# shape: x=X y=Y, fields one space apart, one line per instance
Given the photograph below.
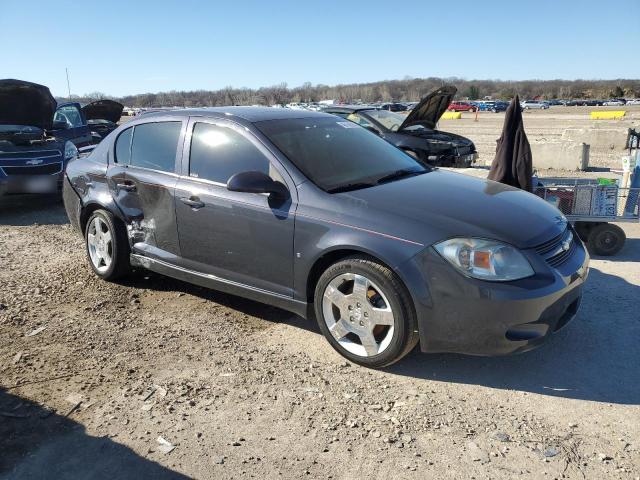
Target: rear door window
x=219 y=152
x=154 y=145
x=123 y=147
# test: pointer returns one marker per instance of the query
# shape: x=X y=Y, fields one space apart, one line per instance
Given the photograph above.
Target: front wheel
x=365 y=312
x=107 y=245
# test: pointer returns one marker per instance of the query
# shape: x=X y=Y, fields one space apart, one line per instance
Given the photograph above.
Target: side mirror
x=59 y=125
x=256 y=182
x=373 y=130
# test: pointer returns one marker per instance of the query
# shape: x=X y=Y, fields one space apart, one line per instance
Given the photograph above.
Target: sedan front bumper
x=465 y=315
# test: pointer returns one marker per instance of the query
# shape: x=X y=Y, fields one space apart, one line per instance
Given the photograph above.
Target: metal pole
x=68 y=85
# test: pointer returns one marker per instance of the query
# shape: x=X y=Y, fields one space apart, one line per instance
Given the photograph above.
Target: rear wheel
x=365 y=312
x=107 y=246
x=606 y=239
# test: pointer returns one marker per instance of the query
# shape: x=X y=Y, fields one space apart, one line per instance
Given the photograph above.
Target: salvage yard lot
x=607 y=137
x=93 y=373
x=155 y=378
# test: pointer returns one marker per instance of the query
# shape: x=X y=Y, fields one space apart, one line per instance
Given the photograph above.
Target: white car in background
x=534 y=105
x=614 y=102
x=633 y=101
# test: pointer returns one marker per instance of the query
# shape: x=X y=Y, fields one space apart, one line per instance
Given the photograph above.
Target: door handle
x=193 y=202
x=127 y=186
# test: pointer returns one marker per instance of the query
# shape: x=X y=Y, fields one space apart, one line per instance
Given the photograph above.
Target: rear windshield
x=334 y=153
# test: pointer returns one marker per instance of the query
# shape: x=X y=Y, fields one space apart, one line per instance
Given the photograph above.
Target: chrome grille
x=558 y=250
x=47 y=169
x=43 y=154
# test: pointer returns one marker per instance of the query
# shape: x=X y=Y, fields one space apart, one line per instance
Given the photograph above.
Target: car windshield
x=338 y=155
x=390 y=120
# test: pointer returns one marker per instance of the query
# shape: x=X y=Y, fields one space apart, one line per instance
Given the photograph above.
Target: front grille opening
x=552 y=252
x=48 y=169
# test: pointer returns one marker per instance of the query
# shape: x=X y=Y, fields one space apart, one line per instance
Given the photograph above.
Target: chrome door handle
x=193 y=202
x=129 y=187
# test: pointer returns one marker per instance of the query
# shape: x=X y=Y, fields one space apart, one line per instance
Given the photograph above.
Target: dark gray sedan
x=314 y=214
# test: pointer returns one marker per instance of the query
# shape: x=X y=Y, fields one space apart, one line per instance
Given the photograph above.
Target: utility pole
x=68 y=85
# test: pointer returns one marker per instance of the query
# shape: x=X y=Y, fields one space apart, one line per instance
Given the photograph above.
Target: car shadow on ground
x=146 y=279
x=596 y=357
x=38 y=443
x=24 y=210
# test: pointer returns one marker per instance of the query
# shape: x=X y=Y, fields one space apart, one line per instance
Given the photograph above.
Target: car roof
x=249 y=114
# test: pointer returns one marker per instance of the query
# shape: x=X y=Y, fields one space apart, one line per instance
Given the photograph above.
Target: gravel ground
x=154 y=378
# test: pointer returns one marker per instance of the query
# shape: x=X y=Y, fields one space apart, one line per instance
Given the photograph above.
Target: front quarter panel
x=324 y=225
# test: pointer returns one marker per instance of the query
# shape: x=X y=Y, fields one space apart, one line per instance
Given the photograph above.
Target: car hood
x=103 y=110
x=26 y=103
x=451 y=139
x=434 y=206
x=430 y=108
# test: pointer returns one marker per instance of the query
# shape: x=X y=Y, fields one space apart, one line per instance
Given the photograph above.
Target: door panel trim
x=221 y=284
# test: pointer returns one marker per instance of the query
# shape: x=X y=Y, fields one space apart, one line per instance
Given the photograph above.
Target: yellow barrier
x=451 y=116
x=612 y=115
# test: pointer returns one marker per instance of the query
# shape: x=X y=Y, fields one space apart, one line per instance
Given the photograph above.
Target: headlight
x=70 y=151
x=485 y=259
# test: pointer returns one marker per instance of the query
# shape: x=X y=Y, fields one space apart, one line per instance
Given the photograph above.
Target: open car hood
x=26 y=103
x=430 y=108
x=103 y=110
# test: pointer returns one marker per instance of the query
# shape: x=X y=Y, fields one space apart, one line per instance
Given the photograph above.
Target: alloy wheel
x=100 y=244
x=358 y=314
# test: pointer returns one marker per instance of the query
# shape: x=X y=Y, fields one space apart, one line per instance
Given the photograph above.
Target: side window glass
x=123 y=147
x=155 y=145
x=217 y=153
x=70 y=115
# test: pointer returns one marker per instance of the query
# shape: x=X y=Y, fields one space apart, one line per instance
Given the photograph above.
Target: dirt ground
x=155 y=378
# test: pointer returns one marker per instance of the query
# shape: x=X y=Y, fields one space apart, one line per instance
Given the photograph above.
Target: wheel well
x=323 y=263
x=86 y=212
x=329 y=259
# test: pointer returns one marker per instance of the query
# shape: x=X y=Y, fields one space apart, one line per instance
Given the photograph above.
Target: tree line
x=405 y=90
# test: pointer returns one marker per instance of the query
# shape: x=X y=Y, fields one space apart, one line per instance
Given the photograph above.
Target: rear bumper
x=465 y=315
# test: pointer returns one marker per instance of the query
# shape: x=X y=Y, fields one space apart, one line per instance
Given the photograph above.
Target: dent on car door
x=240 y=237
x=143 y=179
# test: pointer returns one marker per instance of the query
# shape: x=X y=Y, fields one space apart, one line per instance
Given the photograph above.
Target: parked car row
x=38 y=136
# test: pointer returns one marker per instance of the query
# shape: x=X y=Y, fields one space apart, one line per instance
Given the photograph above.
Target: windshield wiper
x=405 y=172
x=350 y=186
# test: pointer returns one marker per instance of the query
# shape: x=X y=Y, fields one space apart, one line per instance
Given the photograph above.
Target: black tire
x=405 y=334
x=606 y=239
x=120 y=249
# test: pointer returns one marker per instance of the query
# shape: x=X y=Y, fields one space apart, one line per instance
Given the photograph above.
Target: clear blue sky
x=123 y=47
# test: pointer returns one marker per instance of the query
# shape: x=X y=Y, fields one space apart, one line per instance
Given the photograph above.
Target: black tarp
x=513 y=164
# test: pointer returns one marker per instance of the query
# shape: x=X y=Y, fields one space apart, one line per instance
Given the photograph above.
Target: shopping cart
x=590 y=206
